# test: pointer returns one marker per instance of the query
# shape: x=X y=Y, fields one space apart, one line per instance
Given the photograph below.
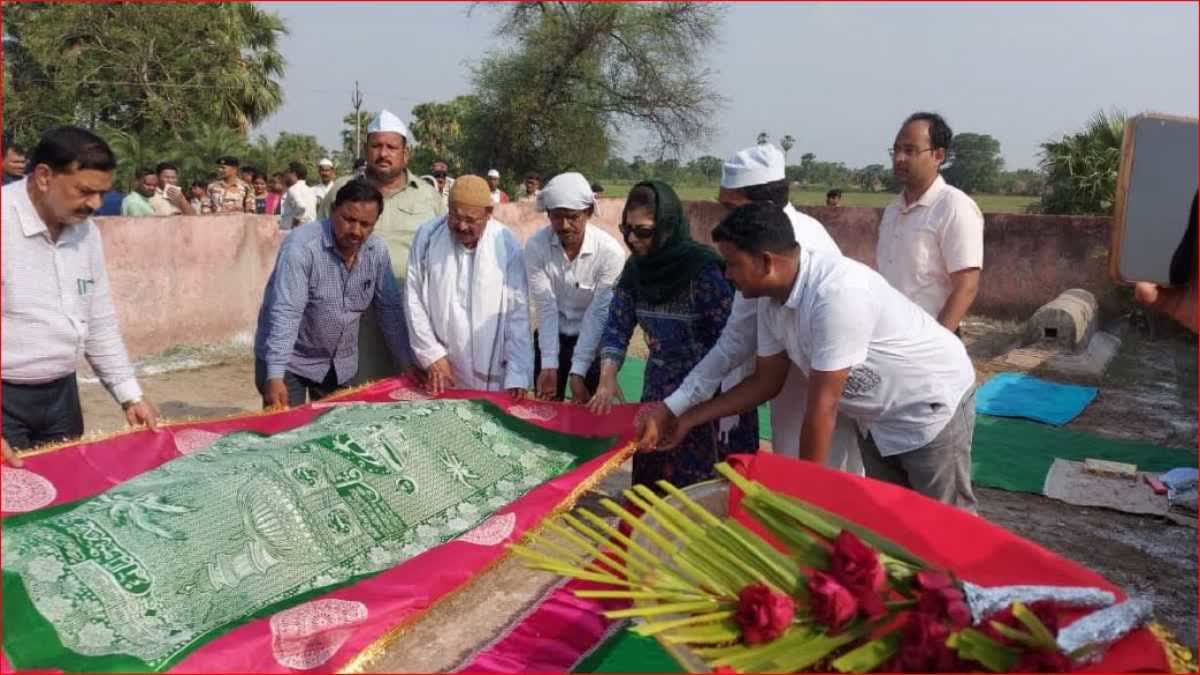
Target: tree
x=871 y=177
x=787 y=143
x=707 y=167
x=1026 y=182
x=974 y=163
x=576 y=75
x=140 y=68
x=618 y=169
x=1081 y=168
x=348 y=125
x=763 y=138
x=438 y=128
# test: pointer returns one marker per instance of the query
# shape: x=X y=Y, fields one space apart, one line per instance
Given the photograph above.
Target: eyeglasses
x=469 y=221
x=639 y=232
x=911 y=152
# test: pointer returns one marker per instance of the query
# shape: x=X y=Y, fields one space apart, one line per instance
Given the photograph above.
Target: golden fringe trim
x=362 y=662
x=99 y=437
x=1179 y=658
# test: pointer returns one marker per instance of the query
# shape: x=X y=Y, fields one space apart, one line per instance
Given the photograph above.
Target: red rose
x=942 y=599
x=1044 y=661
x=924 y=647
x=763 y=614
x=831 y=603
x=856 y=566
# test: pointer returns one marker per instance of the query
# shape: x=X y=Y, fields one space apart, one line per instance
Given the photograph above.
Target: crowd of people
x=386 y=273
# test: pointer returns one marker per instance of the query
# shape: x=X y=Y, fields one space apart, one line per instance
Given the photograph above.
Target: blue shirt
x=312 y=305
x=110 y=204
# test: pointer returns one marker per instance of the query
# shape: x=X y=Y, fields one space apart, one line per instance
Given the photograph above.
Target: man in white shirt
x=169 y=199
x=299 y=203
x=326 y=173
x=466 y=298
x=931 y=236
x=57 y=305
x=572 y=267
x=756 y=175
x=533 y=185
x=498 y=196
x=867 y=350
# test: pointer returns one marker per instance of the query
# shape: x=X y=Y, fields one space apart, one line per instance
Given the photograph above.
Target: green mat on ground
x=632 y=374
x=627 y=652
x=1015 y=455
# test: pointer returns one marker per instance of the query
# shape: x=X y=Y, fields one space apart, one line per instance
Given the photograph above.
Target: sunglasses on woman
x=639 y=232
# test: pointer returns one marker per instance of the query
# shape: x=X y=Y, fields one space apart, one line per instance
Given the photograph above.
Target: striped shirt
x=312 y=305
x=57 y=303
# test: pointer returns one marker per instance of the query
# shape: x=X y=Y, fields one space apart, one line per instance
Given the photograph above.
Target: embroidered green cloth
x=136 y=578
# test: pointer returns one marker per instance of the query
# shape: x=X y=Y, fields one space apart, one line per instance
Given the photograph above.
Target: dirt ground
x=1148 y=392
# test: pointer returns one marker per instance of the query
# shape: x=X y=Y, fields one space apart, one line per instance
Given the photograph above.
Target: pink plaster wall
x=187 y=279
x=198 y=280
x=1028 y=259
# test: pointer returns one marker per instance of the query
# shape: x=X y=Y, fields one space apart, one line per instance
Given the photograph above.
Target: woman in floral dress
x=674 y=289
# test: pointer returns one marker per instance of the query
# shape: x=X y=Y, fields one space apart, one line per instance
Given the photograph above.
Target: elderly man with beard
x=572 y=267
x=327 y=274
x=466 y=298
x=57 y=305
x=408 y=202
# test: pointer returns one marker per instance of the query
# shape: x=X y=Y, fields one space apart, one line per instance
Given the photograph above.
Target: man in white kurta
x=756 y=174
x=468 y=318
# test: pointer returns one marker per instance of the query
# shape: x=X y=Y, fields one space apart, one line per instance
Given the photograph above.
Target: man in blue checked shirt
x=327 y=274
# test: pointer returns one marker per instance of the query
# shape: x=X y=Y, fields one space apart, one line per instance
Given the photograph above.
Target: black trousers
x=566 y=352
x=300 y=390
x=36 y=414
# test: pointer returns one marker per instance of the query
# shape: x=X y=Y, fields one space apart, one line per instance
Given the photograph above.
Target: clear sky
x=837 y=77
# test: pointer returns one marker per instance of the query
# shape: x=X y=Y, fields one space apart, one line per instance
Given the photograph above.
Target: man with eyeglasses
x=466 y=298
x=572 y=267
x=931 y=236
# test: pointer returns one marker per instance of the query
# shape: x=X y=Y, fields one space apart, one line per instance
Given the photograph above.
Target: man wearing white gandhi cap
x=408 y=202
x=572 y=267
x=756 y=174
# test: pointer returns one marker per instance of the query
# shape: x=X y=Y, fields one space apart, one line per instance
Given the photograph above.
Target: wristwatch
x=130 y=403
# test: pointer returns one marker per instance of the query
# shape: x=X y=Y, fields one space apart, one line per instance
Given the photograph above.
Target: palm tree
x=205 y=143
x=134 y=152
x=763 y=138
x=248 y=92
x=1081 y=169
x=787 y=143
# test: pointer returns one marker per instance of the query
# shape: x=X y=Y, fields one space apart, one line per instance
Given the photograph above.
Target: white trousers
x=787 y=417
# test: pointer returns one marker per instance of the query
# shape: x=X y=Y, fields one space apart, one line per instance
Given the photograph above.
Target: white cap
x=325 y=161
x=386 y=121
x=755 y=165
x=566 y=191
x=492 y=173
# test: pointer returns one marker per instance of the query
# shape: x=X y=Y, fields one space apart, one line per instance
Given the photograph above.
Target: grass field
x=987 y=203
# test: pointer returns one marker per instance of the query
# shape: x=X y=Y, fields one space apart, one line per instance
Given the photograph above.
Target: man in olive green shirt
x=408 y=202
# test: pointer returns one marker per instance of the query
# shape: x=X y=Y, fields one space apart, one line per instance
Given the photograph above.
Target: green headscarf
x=675 y=259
